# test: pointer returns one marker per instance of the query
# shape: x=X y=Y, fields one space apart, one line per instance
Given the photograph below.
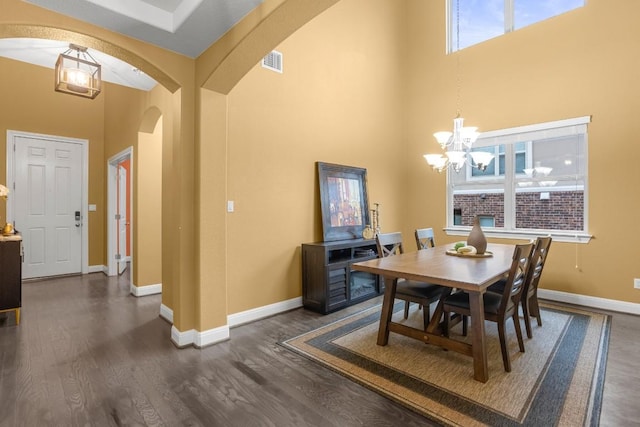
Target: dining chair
x=390 y=244
x=425 y=238
x=497 y=307
x=529 y=300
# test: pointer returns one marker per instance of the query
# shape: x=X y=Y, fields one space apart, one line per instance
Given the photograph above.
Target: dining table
x=441 y=265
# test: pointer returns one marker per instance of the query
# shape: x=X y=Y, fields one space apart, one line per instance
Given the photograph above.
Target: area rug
x=557 y=381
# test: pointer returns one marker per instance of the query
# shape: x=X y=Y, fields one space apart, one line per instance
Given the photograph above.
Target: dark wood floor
x=88 y=353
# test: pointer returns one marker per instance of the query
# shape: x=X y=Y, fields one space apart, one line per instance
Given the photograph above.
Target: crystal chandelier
x=457 y=144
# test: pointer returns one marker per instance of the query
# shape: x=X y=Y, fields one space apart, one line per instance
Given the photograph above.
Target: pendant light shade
x=77 y=73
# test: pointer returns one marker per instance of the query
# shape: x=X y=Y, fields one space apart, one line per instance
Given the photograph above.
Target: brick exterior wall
x=562 y=211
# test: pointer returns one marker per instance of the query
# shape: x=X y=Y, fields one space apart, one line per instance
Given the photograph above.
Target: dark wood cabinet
x=11 y=276
x=328 y=281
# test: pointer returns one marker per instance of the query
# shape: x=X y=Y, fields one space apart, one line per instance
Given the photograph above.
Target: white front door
x=48 y=205
x=121 y=218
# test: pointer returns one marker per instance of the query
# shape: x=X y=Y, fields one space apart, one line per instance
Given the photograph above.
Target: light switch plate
x=230 y=206
x=636 y=283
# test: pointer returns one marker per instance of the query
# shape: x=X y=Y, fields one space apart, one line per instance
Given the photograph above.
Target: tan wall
x=148 y=210
x=212 y=192
x=577 y=64
x=35 y=107
x=336 y=102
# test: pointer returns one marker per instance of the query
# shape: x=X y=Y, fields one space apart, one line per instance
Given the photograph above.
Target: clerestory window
x=484 y=20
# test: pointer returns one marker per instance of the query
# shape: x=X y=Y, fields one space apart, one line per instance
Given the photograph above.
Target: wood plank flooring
x=86 y=352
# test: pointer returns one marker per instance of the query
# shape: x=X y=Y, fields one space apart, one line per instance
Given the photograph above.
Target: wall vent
x=273 y=61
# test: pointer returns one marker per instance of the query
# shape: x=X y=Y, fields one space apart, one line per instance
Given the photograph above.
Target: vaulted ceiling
x=187 y=27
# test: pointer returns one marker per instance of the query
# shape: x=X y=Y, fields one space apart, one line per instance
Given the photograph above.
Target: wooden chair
x=409 y=291
x=425 y=238
x=498 y=307
x=529 y=300
x=530 y=307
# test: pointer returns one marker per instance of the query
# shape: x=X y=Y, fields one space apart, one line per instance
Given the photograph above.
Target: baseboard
x=216 y=335
x=589 y=301
x=262 y=312
x=97 y=269
x=142 y=291
x=211 y=336
x=166 y=313
x=182 y=339
x=199 y=339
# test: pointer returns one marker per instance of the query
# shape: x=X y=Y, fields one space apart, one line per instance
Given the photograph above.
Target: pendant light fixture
x=457 y=144
x=77 y=73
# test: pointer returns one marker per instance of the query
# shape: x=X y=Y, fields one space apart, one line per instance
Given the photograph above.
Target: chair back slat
x=389 y=244
x=538 y=259
x=425 y=238
x=517 y=277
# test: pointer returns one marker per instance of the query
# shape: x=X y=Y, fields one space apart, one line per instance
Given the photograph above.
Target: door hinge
x=118 y=257
x=118 y=216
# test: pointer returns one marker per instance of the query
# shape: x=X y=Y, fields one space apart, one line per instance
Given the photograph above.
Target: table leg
x=478 y=341
x=434 y=326
x=387 y=309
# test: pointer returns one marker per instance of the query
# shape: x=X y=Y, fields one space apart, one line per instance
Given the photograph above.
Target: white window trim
x=557 y=236
x=535 y=131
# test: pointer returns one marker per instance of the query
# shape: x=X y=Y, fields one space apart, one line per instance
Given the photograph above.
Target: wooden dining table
x=470 y=274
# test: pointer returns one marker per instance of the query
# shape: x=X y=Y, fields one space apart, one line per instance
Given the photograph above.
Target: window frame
x=509 y=23
x=574 y=125
x=497 y=175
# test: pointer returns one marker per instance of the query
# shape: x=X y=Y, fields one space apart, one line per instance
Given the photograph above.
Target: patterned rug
x=557 y=381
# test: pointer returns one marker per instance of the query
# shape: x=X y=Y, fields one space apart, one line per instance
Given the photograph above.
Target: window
x=521 y=152
x=486 y=221
x=535 y=185
x=484 y=20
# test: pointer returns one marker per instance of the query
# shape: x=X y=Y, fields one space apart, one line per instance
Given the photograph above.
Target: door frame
x=84 y=203
x=112 y=171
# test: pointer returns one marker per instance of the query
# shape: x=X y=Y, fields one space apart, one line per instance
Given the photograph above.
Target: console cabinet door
x=337 y=277
x=10 y=275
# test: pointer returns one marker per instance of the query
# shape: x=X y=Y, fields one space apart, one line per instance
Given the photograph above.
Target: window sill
x=558 y=236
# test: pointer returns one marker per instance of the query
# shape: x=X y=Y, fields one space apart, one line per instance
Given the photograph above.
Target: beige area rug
x=557 y=381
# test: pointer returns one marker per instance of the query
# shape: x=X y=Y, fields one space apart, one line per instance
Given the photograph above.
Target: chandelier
x=77 y=73
x=458 y=144
x=458 y=149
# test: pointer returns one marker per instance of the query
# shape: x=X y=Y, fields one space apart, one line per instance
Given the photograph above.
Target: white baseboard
x=589 y=301
x=166 y=313
x=97 y=269
x=141 y=291
x=199 y=339
x=262 y=312
x=211 y=336
x=182 y=339
x=216 y=335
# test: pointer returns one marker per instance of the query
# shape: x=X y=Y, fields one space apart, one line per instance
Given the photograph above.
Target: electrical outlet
x=636 y=283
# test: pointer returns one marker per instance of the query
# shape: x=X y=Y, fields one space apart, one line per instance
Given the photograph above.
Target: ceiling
x=187 y=27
